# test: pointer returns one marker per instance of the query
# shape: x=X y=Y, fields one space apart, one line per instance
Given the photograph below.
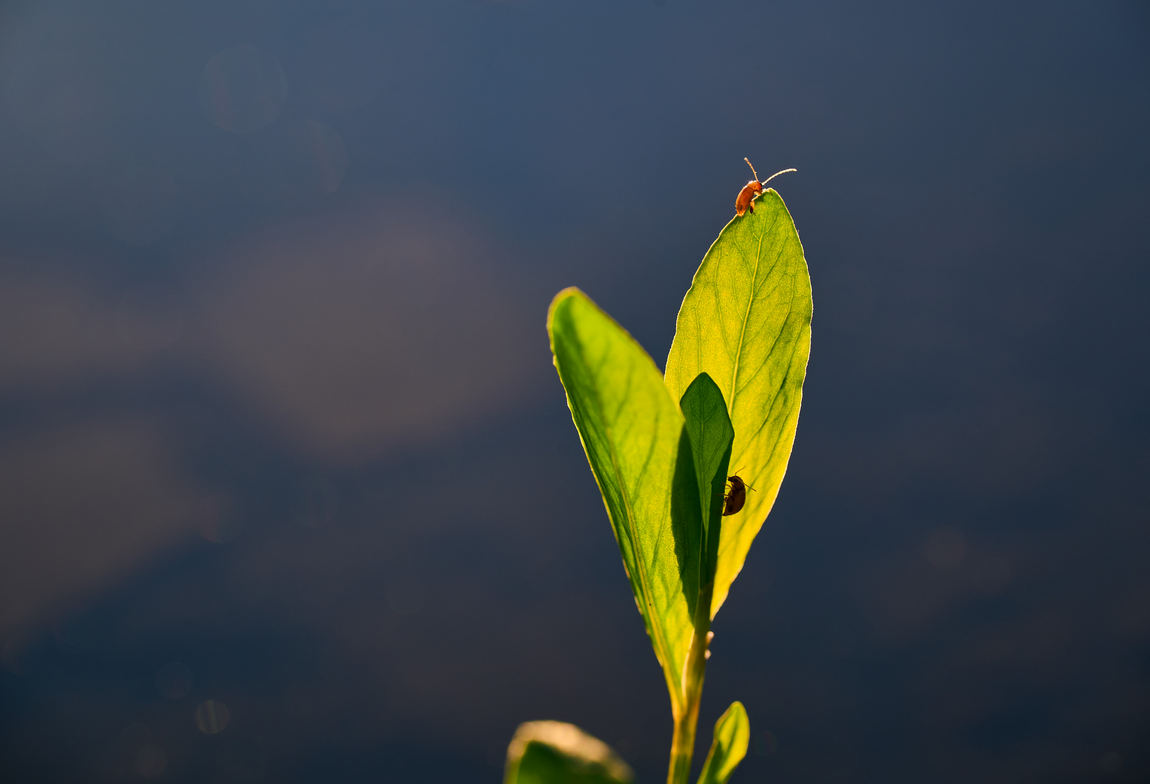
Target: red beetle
x=744 y=202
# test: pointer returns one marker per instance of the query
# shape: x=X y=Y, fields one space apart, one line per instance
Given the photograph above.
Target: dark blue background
x=282 y=451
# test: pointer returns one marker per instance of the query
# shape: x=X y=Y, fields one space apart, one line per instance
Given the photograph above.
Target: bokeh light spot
x=243 y=89
x=151 y=761
x=212 y=717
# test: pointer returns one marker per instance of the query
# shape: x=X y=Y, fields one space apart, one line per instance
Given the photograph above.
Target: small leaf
x=728 y=747
x=553 y=752
x=632 y=432
x=709 y=430
x=746 y=322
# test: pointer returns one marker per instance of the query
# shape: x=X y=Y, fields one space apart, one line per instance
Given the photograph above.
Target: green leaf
x=729 y=746
x=710 y=433
x=746 y=322
x=632 y=432
x=553 y=752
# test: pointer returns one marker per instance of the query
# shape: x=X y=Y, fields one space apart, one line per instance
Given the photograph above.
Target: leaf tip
x=728 y=746
x=564 y=296
x=567 y=293
x=702 y=380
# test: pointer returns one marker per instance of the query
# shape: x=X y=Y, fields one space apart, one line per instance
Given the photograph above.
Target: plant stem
x=683 y=747
x=687 y=719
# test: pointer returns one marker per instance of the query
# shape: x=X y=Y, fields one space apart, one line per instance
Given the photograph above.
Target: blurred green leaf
x=729 y=746
x=632 y=432
x=553 y=752
x=746 y=322
x=709 y=430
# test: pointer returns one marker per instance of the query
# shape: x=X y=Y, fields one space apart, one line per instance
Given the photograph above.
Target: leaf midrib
x=746 y=318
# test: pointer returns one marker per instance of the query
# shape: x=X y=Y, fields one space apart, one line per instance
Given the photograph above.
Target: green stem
x=683 y=747
x=685 y=709
x=687 y=718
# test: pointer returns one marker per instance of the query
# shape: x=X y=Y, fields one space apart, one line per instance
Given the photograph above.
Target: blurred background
x=288 y=488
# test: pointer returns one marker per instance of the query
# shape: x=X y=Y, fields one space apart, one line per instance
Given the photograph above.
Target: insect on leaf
x=746 y=322
x=729 y=745
x=632 y=432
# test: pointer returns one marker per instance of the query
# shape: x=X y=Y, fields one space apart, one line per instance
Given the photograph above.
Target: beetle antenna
x=736 y=473
x=776 y=174
x=748 y=160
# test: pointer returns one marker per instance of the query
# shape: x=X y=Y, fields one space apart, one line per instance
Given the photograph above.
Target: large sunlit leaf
x=746 y=322
x=553 y=752
x=632 y=432
x=709 y=430
x=729 y=746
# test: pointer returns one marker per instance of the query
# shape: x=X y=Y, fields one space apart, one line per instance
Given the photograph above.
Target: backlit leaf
x=729 y=745
x=632 y=432
x=746 y=322
x=553 y=752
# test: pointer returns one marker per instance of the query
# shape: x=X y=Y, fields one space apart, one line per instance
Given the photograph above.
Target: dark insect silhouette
x=734 y=499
